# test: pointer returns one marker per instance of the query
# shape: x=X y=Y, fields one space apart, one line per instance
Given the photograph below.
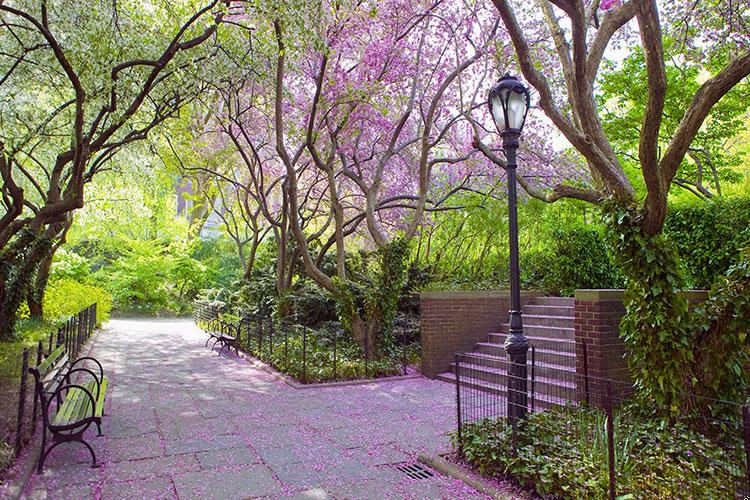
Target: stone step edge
x=538 y=349
x=543 y=364
x=478 y=384
x=544 y=380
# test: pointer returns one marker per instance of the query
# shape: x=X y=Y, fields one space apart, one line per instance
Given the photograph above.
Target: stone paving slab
x=184 y=422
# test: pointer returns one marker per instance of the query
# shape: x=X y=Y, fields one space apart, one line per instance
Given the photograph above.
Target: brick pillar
x=597 y=324
x=456 y=321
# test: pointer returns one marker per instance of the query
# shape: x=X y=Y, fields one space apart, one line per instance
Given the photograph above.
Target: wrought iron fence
x=311 y=355
x=596 y=409
x=19 y=422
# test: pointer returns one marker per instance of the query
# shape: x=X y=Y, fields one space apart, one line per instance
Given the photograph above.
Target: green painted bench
x=79 y=394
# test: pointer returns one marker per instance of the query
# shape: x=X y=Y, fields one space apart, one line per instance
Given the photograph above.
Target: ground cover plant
x=562 y=453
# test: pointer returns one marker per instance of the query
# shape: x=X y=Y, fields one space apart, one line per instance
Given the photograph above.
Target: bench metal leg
x=99 y=426
x=94 y=465
x=40 y=467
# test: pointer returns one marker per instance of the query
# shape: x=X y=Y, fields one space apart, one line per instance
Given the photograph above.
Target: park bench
x=79 y=401
x=223 y=333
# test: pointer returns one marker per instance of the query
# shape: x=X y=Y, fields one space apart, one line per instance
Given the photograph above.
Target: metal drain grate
x=414 y=471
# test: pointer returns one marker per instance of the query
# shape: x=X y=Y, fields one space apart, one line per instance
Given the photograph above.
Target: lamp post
x=509 y=103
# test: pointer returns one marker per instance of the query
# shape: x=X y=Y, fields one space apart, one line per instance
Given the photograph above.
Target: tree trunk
x=18 y=264
x=35 y=297
x=366 y=335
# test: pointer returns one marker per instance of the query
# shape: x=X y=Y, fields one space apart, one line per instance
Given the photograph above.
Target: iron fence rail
x=309 y=355
x=482 y=387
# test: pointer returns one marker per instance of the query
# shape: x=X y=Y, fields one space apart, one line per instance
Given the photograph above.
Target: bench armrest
x=89 y=358
x=85 y=370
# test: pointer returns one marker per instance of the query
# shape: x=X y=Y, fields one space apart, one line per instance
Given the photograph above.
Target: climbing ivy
x=677 y=356
x=656 y=327
x=722 y=339
x=375 y=300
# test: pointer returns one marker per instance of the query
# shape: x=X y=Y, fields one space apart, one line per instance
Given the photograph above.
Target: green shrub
x=27 y=332
x=575 y=257
x=709 y=237
x=66 y=297
x=563 y=453
x=69 y=265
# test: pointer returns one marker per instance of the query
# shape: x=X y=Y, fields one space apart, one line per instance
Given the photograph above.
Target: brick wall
x=454 y=322
x=597 y=324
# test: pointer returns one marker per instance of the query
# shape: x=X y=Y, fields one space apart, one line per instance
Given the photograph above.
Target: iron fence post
x=746 y=435
x=457 y=366
x=21 y=399
x=270 y=339
x=533 y=377
x=304 y=354
x=610 y=441
x=79 y=333
x=34 y=412
x=260 y=338
x=586 y=373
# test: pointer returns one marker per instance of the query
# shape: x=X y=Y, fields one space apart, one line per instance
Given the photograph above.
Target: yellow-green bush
x=65 y=297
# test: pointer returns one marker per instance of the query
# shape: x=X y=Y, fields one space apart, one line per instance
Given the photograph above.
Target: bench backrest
x=49 y=374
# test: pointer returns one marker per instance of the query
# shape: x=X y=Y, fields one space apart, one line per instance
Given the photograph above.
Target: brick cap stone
x=618 y=293
x=475 y=294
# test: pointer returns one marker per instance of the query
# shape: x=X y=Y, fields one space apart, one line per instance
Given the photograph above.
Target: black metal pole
x=610 y=442
x=516 y=344
x=459 y=437
x=533 y=377
x=21 y=401
x=746 y=435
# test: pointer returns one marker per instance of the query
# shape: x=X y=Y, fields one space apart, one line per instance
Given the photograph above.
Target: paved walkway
x=184 y=423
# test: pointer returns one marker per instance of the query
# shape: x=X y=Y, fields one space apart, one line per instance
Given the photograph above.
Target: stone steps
x=545 y=368
x=549 y=320
x=541 y=400
x=566 y=359
x=540 y=310
x=549 y=325
x=550 y=332
x=554 y=301
x=550 y=344
x=551 y=385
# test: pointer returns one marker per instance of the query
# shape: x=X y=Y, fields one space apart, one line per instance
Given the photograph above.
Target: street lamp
x=509 y=103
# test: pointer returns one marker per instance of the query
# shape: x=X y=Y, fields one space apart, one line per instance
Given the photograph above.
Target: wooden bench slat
x=65 y=413
x=54 y=372
x=51 y=360
x=102 y=395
